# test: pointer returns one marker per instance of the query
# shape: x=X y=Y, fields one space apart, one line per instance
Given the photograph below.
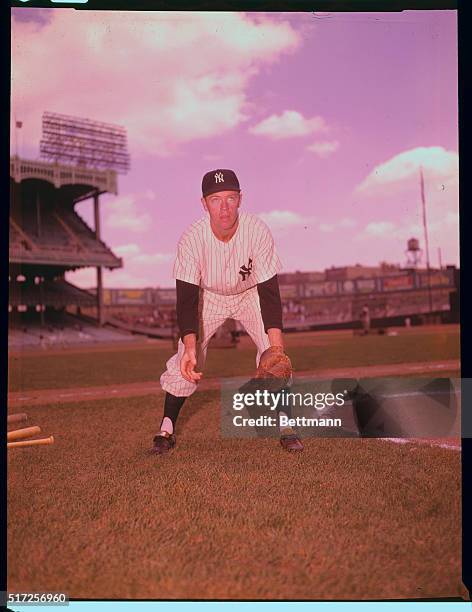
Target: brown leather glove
x=274 y=371
x=274 y=363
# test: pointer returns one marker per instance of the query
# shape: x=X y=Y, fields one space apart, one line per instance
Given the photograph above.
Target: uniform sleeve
x=266 y=260
x=186 y=265
x=271 y=304
x=187 y=308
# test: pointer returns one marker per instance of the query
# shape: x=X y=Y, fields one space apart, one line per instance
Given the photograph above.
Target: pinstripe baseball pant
x=213 y=310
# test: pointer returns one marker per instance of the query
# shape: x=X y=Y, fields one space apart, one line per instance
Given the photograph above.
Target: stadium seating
x=83 y=232
x=52 y=292
x=61 y=330
x=63 y=236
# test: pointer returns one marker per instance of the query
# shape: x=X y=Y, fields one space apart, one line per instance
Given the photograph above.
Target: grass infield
x=96 y=517
x=307 y=351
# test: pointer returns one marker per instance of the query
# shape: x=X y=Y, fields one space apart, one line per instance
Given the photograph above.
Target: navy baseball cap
x=219 y=180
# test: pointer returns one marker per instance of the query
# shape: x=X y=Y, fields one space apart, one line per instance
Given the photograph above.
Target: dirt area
x=45 y=396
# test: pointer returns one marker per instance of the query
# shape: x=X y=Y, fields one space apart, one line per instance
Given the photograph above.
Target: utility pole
x=425 y=226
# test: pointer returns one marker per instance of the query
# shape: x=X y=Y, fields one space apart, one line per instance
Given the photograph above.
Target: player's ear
x=204 y=204
x=240 y=198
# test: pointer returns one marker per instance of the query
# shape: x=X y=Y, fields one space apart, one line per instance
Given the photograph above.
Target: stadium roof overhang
x=77 y=181
x=64 y=260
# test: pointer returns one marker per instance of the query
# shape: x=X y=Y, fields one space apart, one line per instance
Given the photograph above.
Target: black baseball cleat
x=291 y=443
x=163 y=443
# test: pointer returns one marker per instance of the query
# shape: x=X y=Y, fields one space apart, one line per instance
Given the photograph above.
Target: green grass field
x=96 y=517
x=307 y=351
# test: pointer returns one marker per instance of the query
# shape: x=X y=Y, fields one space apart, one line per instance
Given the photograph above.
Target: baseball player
x=226 y=267
x=365 y=319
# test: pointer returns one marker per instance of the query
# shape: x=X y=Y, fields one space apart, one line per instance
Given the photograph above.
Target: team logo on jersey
x=245 y=271
x=219 y=178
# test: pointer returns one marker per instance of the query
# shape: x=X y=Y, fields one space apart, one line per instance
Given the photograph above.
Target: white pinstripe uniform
x=227 y=273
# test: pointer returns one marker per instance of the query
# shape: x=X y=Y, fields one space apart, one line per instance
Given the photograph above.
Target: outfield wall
x=333 y=304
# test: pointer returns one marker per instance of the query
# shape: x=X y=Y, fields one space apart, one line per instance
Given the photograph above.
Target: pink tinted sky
x=326 y=118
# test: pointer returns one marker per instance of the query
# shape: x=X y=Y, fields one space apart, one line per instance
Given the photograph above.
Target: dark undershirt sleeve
x=271 y=304
x=187 y=307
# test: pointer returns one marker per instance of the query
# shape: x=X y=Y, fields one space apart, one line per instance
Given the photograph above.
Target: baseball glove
x=274 y=371
x=274 y=363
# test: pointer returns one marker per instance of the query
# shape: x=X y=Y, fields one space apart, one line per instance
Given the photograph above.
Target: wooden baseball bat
x=27 y=432
x=37 y=442
x=19 y=417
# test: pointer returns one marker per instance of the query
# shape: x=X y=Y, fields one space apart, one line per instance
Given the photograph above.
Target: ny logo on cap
x=219 y=178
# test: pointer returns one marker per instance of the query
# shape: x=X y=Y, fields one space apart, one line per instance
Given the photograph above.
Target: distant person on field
x=365 y=319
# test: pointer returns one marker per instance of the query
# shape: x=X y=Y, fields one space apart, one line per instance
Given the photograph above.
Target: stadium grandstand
x=332 y=299
x=47 y=238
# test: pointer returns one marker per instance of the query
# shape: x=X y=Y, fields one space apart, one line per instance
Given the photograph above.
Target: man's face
x=223 y=208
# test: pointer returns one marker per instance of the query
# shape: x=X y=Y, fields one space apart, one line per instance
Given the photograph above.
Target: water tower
x=413 y=253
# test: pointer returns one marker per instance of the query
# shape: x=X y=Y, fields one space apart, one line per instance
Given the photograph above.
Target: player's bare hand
x=188 y=363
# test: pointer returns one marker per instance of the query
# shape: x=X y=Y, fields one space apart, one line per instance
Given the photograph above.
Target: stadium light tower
x=90 y=144
x=84 y=142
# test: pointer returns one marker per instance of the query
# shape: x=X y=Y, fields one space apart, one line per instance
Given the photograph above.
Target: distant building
x=287 y=278
x=358 y=271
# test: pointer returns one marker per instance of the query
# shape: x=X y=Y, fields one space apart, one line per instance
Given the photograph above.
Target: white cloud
x=125 y=279
x=323 y=149
x=127 y=249
x=403 y=170
x=379 y=228
x=124 y=215
x=347 y=222
x=168 y=77
x=344 y=224
x=283 y=219
x=139 y=270
x=133 y=256
x=288 y=125
x=152 y=258
x=86 y=278
x=327 y=227
x=394 y=185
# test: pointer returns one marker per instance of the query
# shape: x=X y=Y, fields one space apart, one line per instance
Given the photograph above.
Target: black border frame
x=465 y=200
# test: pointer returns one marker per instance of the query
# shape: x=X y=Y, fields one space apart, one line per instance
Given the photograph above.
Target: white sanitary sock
x=285 y=429
x=166 y=425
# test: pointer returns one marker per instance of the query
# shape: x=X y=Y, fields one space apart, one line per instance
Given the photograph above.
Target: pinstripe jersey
x=227 y=268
